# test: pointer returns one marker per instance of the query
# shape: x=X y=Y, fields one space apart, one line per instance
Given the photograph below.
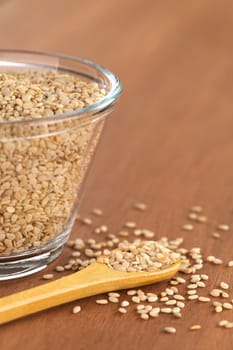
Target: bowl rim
x=93 y=109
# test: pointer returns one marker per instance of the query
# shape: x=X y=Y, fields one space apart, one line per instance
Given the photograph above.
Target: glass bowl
x=43 y=164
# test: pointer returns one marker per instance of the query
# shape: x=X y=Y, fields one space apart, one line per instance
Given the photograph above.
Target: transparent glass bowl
x=43 y=163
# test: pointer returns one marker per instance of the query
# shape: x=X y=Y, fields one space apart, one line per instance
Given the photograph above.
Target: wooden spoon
x=95 y=279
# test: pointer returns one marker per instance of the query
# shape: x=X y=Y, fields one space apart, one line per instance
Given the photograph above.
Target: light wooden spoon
x=95 y=279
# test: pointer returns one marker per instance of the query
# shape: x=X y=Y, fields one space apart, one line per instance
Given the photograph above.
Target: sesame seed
x=170 y=330
x=130 y=224
x=201 y=284
x=222 y=323
x=215 y=292
x=123 y=233
x=201 y=218
x=224 y=285
x=230 y=263
x=132 y=292
x=140 y=307
x=195 y=327
x=154 y=312
x=166 y=310
x=225 y=295
x=218 y=308
x=216 y=235
x=180 y=304
x=113 y=300
x=152 y=298
x=193 y=297
x=140 y=206
x=180 y=280
x=59 y=268
x=192 y=216
x=227 y=306
x=76 y=309
x=204 y=277
x=144 y=316
x=188 y=227
x=122 y=310
x=101 y=301
x=114 y=295
x=178 y=297
x=48 y=276
x=229 y=325
x=197 y=209
x=191 y=291
x=171 y=302
x=192 y=286
x=124 y=303
x=224 y=227
x=86 y=221
x=204 y=299
x=136 y=299
x=97 y=212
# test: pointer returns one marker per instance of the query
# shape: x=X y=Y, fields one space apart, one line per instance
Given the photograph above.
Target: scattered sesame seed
x=201 y=218
x=166 y=310
x=204 y=299
x=170 y=330
x=123 y=233
x=180 y=304
x=86 y=221
x=152 y=298
x=230 y=263
x=59 y=268
x=224 y=227
x=193 y=297
x=224 y=285
x=132 y=292
x=204 y=277
x=197 y=209
x=218 y=308
x=227 y=306
x=124 y=303
x=48 y=276
x=140 y=206
x=76 y=309
x=130 y=224
x=122 y=310
x=97 y=212
x=171 y=302
x=215 y=292
x=178 y=297
x=113 y=300
x=222 y=323
x=144 y=316
x=114 y=294
x=216 y=235
x=191 y=291
x=101 y=301
x=229 y=325
x=192 y=216
x=195 y=327
x=188 y=227
x=154 y=312
x=136 y=299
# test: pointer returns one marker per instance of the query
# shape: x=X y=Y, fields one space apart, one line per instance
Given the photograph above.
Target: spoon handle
x=75 y=286
x=95 y=279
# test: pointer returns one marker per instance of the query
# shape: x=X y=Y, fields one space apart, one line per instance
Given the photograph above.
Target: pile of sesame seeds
x=190 y=286
x=139 y=256
x=42 y=165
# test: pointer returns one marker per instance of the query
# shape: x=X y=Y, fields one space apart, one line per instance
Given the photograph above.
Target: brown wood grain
x=168 y=143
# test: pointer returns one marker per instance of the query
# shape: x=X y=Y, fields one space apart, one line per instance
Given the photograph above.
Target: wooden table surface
x=169 y=144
